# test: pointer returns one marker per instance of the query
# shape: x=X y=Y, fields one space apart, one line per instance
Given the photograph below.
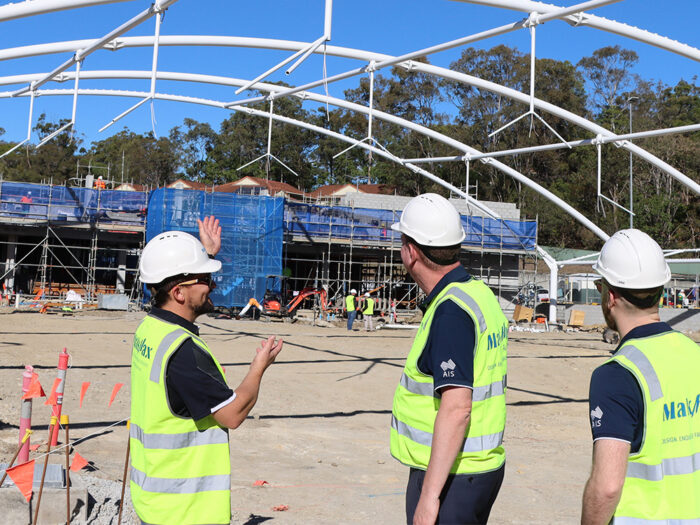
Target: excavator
x=273 y=306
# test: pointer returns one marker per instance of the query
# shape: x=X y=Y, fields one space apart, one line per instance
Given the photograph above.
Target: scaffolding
x=251 y=243
x=62 y=242
x=89 y=241
x=339 y=248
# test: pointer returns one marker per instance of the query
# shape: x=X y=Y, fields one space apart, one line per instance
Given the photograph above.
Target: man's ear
x=176 y=294
x=413 y=255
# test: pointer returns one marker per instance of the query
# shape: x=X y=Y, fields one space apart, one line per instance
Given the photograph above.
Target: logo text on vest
x=142 y=348
x=678 y=409
x=498 y=337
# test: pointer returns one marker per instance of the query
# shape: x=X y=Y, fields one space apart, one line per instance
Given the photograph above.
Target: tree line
x=600 y=88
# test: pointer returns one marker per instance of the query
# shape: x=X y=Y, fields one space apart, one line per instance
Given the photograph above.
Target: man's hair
x=160 y=292
x=642 y=299
x=436 y=256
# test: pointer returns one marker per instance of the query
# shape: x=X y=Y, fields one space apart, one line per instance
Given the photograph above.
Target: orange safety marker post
x=64 y=423
x=25 y=418
x=126 y=467
x=58 y=404
x=23 y=477
x=114 y=393
x=54 y=423
x=12 y=461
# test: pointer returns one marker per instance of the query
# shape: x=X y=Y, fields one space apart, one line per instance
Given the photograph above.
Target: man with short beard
x=181 y=406
x=644 y=400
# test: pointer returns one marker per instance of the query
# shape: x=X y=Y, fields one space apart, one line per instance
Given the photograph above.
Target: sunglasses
x=199 y=280
x=598 y=284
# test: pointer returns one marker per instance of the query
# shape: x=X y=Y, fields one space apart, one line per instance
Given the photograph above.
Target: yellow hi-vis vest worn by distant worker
x=369 y=307
x=350 y=303
x=662 y=484
x=416 y=406
x=180 y=468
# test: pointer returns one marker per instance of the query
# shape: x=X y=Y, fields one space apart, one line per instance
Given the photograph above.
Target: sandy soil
x=320 y=431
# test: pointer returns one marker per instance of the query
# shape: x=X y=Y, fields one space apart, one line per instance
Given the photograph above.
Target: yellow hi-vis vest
x=369 y=307
x=416 y=405
x=350 y=303
x=180 y=468
x=662 y=484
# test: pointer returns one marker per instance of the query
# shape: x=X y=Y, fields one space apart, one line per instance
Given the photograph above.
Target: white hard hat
x=631 y=259
x=174 y=253
x=353 y=291
x=431 y=220
x=366 y=294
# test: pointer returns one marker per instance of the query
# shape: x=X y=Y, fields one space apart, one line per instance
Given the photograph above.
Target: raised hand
x=210 y=234
x=267 y=352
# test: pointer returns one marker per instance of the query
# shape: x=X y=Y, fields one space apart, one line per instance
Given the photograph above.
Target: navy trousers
x=466 y=499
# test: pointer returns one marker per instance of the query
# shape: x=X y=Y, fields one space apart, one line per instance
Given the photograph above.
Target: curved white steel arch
x=377 y=151
x=597 y=22
x=264 y=43
x=38 y=7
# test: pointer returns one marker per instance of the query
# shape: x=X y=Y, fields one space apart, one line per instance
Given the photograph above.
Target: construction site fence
x=48 y=203
x=251 y=239
x=371 y=225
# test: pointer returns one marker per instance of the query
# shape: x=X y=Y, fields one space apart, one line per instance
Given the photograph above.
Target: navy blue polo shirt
x=615 y=398
x=195 y=387
x=452 y=337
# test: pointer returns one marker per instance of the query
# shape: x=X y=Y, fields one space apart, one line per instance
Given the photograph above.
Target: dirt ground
x=319 y=434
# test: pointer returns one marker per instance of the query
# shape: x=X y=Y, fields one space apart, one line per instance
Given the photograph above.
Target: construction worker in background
x=181 y=406
x=351 y=307
x=99 y=183
x=26 y=201
x=368 y=312
x=644 y=400
x=449 y=408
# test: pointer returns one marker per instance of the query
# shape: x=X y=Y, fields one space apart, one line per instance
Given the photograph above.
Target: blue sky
x=386 y=26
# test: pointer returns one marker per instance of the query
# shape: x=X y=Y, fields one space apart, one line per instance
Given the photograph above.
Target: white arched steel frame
x=597 y=22
x=335 y=102
x=377 y=58
x=25 y=9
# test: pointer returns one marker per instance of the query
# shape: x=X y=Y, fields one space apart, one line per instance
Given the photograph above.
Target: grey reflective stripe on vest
x=479 y=393
x=416 y=387
x=471 y=303
x=180 y=485
x=668 y=467
x=472 y=444
x=482 y=393
x=210 y=436
x=625 y=520
x=641 y=361
x=167 y=341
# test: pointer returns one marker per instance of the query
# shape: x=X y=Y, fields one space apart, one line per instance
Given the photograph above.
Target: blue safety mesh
x=360 y=224
x=251 y=244
x=39 y=202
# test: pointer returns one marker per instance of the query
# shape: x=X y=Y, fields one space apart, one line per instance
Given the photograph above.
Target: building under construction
x=59 y=243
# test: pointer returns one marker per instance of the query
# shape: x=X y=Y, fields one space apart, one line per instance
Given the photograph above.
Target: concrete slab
x=52 y=510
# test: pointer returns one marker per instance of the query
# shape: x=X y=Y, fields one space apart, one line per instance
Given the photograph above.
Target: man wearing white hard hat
x=368 y=312
x=181 y=406
x=351 y=307
x=645 y=400
x=449 y=410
